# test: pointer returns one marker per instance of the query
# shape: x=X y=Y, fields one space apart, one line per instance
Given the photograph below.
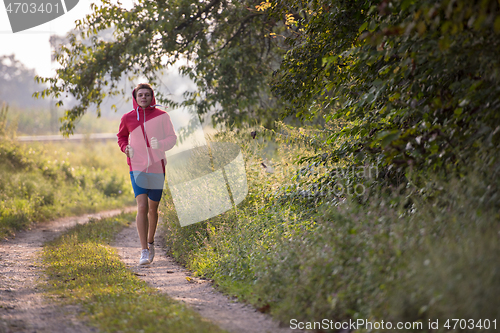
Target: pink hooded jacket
x=137 y=127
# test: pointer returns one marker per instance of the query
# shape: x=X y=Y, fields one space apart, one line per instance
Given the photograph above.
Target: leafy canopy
x=414 y=83
x=222 y=43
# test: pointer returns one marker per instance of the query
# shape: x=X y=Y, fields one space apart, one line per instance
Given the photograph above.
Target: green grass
x=44 y=181
x=83 y=269
x=229 y=247
x=41 y=181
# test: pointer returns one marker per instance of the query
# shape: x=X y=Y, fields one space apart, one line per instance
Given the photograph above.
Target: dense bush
x=385 y=262
x=415 y=83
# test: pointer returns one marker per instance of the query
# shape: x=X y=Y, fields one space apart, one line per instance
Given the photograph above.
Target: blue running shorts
x=148 y=183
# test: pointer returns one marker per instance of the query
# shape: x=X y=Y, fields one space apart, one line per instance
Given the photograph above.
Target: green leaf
x=363 y=26
x=496 y=25
x=388 y=136
x=406 y=4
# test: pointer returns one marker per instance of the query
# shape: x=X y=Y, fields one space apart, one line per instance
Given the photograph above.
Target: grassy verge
x=40 y=181
x=44 y=181
x=83 y=269
x=397 y=254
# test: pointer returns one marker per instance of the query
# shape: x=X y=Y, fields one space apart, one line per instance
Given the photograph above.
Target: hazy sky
x=32 y=46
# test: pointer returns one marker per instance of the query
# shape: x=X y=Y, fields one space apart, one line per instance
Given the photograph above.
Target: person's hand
x=129 y=151
x=153 y=143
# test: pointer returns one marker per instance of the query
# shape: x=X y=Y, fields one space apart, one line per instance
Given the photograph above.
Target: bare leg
x=142 y=219
x=153 y=219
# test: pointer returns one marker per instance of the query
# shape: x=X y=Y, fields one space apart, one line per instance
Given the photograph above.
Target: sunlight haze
x=32 y=46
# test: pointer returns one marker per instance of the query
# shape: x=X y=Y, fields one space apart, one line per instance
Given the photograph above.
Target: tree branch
x=240 y=29
x=190 y=20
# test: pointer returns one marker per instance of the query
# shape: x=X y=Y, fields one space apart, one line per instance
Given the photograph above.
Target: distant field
x=37 y=121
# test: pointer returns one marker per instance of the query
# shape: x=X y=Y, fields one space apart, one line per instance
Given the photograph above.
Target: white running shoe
x=144 y=257
x=151 y=251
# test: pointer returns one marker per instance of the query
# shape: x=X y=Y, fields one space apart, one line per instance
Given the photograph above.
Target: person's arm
x=122 y=135
x=170 y=139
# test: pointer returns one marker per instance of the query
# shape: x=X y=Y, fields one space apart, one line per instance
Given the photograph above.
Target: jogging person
x=144 y=135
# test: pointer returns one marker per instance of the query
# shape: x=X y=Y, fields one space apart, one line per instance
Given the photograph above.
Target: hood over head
x=153 y=101
x=151 y=106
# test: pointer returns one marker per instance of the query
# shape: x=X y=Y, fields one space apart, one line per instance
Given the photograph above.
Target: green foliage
x=415 y=82
x=224 y=43
x=7 y=129
x=83 y=269
x=386 y=262
x=399 y=254
x=3 y=119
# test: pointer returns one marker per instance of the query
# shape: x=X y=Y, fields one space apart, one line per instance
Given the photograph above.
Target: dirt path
x=170 y=278
x=22 y=306
x=24 y=309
